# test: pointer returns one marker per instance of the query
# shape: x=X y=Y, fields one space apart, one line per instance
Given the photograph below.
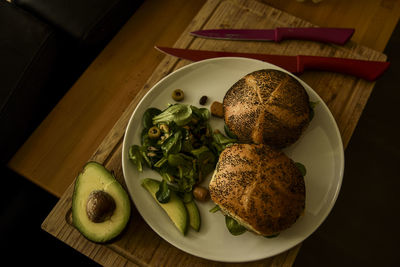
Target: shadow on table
x=363 y=228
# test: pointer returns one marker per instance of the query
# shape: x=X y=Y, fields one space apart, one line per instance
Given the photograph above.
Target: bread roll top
x=259 y=187
x=267 y=106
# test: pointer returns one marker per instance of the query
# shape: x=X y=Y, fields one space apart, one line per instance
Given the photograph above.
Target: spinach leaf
x=233 y=226
x=201 y=113
x=172 y=144
x=312 y=108
x=180 y=114
x=164 y=193
x=206 y=160
x=220 y=141
x=187 y=174
x=180 y=159
x=271 y=236
x=301 y=168
x=229 y=133
x=187 y=141
x=135 y=156
x=160 y=163
x=215 y=209
x=147 y=119
x=167 y=172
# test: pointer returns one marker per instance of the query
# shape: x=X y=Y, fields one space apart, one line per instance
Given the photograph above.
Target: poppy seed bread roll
x=267 y=106
x=259 y=187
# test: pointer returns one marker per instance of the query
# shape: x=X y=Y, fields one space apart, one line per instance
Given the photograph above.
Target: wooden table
x=79 y=127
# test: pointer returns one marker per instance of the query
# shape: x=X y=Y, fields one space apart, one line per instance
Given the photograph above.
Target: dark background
x=361 y=230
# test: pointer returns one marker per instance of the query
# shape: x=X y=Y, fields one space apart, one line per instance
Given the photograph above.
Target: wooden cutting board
x=345 y=96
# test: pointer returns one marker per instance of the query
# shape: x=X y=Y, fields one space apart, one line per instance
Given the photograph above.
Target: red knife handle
x=327 y=35
x=368 y=70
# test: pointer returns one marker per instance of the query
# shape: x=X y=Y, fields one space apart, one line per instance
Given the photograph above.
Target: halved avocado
x=100 y=205
x=174 y=208
x=194 y=215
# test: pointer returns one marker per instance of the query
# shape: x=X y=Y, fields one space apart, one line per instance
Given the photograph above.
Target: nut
x=217 y=109
x=200 y=193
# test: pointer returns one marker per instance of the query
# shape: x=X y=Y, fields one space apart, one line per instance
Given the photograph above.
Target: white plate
x=320 y=149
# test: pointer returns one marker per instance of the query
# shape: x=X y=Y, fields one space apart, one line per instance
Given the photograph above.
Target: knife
x=327 y=35
x=368 y=70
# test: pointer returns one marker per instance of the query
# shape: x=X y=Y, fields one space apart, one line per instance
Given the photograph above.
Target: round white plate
x=320 y=149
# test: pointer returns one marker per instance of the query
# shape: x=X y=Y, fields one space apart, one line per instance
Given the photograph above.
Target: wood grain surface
x=65 y=140
x=345 y=96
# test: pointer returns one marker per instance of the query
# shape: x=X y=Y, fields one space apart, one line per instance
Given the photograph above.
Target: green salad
x=179 y=144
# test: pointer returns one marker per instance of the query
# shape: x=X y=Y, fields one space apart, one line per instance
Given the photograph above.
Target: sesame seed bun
x=267 y=106
x=258 y=186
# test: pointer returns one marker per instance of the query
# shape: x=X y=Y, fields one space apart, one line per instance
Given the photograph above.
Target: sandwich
x=259 y=187
x=267 y=106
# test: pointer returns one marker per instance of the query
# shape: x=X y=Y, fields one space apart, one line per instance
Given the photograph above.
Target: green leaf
x=180 y=159
x=180 y=114
x=164 y=193
x=166 y=171
x=233 y=226
x=206 y=160
x=147 y=119
x=215 y=209
x=271 y=236
x=222 y=139
x=312 y=108
x=136 y=157
x=229 y=133
x=172 y=144
x=161 y=162
x=202 y=113
x=301 y=168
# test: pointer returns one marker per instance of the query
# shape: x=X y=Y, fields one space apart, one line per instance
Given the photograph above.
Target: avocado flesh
x=174 y=208
x=194 y=215
x=95 y=176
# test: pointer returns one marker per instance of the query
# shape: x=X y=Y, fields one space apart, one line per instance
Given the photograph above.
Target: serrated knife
x=365 y=69
x=327 y=35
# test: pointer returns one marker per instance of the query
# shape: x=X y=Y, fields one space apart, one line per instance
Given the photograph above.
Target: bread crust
x=267 y=106
x=258 y=186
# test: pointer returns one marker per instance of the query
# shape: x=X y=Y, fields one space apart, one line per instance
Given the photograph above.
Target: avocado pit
x=100 y=206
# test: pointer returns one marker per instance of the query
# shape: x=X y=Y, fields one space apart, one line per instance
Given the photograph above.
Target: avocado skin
x=194 y=215
x=175 y=208
x=95 y=176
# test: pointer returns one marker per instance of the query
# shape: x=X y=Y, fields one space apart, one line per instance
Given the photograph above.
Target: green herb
x=301 y=168
x=312 y=108
x=215 y=209
x=233 y=226
x=220 y=141
x=136 y=157
x=201 y=113
x=229 y=133
x=179 y=113
x=147 y=119
x=206 y=160
x=272 y=236
x=164 y=193
x=172 y=144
